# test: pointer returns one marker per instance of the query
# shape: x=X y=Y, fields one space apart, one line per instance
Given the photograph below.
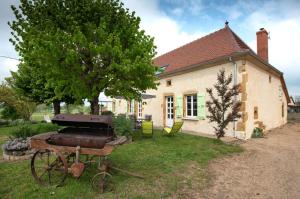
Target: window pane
x=189 y=106
x=195 y=98
x=195 y=106
x=188 y=99
x=194 y=112
x=189 y=112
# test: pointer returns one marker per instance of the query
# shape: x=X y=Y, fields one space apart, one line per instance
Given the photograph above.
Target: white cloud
x=284 y=43
x=177 y=11
x=167 y=33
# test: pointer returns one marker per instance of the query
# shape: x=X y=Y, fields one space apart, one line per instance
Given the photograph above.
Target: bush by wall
x=122 y=125
x=257 y=133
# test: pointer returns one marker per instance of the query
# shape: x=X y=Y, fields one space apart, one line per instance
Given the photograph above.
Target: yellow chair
x=174 y=130
x=147 y=128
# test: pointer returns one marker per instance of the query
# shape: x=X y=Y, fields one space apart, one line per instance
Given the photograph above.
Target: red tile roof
x=217 y=44
x=221 y=43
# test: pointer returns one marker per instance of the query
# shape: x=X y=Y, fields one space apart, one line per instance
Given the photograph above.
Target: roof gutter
x=234 y=83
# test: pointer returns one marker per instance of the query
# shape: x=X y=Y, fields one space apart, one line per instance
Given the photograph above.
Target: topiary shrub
x=123 y=126
x=257 y=133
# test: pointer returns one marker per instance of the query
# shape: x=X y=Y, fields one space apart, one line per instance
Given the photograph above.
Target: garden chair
x=147 y=128
x=174 y=130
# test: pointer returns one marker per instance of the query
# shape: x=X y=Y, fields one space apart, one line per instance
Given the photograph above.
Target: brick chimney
x=262 y=44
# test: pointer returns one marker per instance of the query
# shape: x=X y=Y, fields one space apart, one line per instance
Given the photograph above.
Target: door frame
x=165 y=107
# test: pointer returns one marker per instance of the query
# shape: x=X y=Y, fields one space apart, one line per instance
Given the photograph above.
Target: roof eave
x=226 y=58
x=202 y=64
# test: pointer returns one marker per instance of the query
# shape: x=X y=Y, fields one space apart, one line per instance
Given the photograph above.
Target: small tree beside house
x=223 y=108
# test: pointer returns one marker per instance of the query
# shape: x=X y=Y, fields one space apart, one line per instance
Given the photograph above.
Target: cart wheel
x=49 y=168
x=100 y=181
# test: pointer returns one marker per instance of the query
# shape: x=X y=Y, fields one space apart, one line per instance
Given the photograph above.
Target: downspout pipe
x=234 y=74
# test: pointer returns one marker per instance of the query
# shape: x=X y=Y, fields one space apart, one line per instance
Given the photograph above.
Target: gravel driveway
x=269 y=168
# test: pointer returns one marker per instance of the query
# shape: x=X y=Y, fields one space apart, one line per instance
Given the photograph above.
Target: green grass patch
x=172 y=166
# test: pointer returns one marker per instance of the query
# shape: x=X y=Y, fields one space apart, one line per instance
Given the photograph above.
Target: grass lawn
x=174 y=167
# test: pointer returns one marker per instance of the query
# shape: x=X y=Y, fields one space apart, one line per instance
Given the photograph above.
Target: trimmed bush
x=123 y=125
x=257 y=133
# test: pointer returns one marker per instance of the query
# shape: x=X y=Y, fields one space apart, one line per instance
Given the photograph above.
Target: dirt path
x=269 y=168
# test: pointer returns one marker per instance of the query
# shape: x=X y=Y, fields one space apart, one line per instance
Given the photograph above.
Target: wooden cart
x=50 y=163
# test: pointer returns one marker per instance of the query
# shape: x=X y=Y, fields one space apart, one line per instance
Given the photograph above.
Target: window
x=191 y=105
x=140 y=109
x=255 y=112
x=169 y=82
x=131 y=106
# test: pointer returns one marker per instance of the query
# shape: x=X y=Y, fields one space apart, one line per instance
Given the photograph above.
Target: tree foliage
x=21 y=105
x=31 y=82
x=223 y=108
x=85 y=47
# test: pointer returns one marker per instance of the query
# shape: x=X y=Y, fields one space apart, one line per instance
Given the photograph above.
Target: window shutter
x=179 y=106
x=201 y=106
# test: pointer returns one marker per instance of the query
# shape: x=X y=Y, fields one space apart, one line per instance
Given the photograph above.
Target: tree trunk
x=95 y=106
x=56 y=107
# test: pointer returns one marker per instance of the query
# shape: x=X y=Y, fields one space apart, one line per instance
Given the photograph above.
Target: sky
x=173 y=23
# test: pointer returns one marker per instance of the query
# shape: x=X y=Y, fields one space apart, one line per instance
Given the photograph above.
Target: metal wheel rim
x=103 y=179
x=60 y=158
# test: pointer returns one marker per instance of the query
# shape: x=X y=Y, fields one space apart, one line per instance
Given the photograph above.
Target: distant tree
x=86 y=47
x=223 y=107
x=31 y=82
x=23 y=107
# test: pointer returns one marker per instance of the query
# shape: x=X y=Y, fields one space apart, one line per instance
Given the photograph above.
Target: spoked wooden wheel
x=100 y=181
x=49 y=168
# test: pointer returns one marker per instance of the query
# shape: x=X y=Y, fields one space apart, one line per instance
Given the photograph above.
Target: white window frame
x=192 y=106
x=131 y=107
x=140 y=109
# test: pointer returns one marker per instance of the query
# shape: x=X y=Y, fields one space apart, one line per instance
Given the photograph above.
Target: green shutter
x=201 y=106
x=179 y=106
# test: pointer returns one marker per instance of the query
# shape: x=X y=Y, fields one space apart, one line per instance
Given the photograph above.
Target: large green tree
x=86 y=47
